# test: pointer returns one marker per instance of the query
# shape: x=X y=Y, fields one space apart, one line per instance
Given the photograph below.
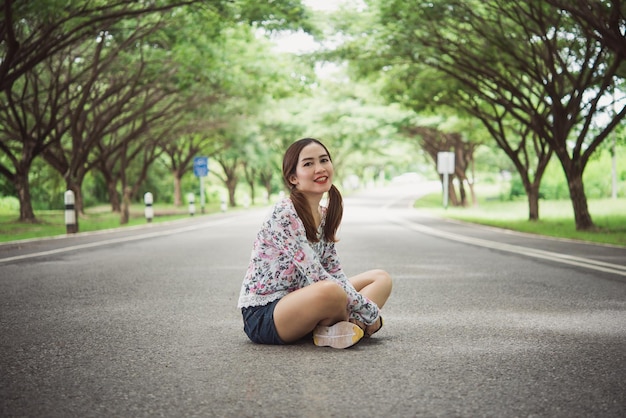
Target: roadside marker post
x=191 y=198
x=71 y=226
x=149 y=210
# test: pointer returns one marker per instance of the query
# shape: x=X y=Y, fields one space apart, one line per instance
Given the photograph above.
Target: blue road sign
x=201 y=166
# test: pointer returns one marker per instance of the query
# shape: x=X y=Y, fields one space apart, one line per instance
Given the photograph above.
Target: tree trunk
x=23 y=193
x=74 y=186
x=80 y=205
x=252 y=192
x=470 y=185
x=533 y=202
x=462 y=192
x=178 y=194
x=125 y=214
x=452 y=197
x=231 y=184
x=231 y=196
x=114 y=197
x=111 y=183
x=582 y=216
x=532 y=194
x=266 y=180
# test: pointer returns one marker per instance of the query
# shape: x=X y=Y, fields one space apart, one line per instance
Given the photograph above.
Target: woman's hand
x=369 y=330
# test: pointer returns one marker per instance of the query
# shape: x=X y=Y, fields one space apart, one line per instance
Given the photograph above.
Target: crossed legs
x=374 y=285
x=324 y=303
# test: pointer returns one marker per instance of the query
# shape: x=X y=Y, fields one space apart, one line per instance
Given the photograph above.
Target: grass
x=52 y=222
x=556 y=218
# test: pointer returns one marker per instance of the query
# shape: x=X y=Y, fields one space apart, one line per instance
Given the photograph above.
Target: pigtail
x=334 y=214
x=304 y=213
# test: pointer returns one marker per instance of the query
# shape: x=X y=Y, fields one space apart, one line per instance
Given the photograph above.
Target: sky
x=323 y=4
x=301 y=42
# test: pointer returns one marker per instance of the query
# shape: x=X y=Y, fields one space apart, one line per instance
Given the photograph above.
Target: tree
x=181 y=152
x=32 y=119
x=277 y=128
x=229 y=161
x=32 y=31
x=105 y=102
x=434 y=141
x=354 y=123
x=147 y=126
x=35 y=78
x=252 y=164
x=135 y=158
x=252 y=79
x=528 y=152
x=523 y=59
x=193 y=45
x=429 y=92
x=600 y=19
x=223 y=71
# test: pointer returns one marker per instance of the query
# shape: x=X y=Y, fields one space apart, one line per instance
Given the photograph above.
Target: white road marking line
x=531 y=252
x=116 y=240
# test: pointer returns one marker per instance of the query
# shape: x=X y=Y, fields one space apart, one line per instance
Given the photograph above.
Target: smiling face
x=314 y=171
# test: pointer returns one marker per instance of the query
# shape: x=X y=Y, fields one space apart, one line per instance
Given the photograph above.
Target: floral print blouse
x=283 y=260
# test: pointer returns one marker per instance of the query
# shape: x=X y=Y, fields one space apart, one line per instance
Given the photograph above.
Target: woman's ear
x=293 y=180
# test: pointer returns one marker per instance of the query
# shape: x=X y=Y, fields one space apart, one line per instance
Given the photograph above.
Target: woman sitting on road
x=294 y=284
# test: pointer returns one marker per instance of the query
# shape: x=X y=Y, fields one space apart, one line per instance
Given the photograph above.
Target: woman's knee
x=331 y=294
x=381 y=287
x=384 y=278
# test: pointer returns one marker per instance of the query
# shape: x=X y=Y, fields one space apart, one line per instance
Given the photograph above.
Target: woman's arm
x=365 y=308
x=291 y=237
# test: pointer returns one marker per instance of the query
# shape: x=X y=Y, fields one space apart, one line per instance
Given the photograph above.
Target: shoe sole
x=343 y=334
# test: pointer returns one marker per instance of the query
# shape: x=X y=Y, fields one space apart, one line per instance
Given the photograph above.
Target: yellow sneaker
x=343 y=334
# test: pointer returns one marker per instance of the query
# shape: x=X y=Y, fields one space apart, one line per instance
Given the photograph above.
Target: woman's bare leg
x=376 y=286
x=373 y=284
x=298 y=313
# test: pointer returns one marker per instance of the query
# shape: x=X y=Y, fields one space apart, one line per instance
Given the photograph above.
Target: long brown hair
x=334 y=212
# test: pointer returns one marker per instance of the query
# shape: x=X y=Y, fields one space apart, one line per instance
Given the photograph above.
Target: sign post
x=445 y=166
x=201 y=170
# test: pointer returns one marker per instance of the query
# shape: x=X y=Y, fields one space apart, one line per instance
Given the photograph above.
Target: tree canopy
x=117 y=90
x=539 y=77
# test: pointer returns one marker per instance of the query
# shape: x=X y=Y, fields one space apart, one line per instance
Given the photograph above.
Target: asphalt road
x=143 y=323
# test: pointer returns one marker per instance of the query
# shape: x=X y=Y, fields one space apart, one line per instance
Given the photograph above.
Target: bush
x=517 y=188
x=9 y=204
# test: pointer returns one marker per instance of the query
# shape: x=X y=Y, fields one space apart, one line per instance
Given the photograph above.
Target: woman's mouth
x=321 y=180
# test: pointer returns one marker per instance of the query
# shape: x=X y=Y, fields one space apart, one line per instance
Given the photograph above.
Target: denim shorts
x=258 y=324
